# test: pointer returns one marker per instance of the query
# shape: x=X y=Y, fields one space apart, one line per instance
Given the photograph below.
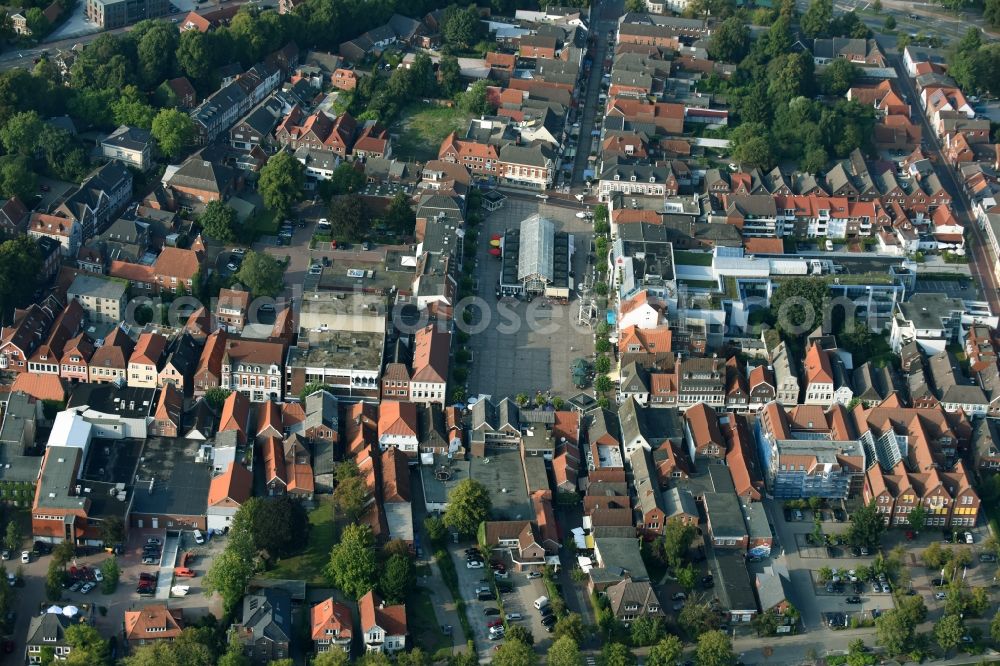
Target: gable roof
x=236 y=484
x=330 y=614
x=391 y=619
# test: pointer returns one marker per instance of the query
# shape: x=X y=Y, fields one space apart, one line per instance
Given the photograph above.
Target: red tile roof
x=236 y=484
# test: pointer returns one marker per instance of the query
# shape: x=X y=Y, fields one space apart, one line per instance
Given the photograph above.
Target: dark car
x=947 y=536
x=839 y=515
x=987 y=557
x=854 y=600
x=148 y=577
x=707 y=581
x=42 y=547
x=487 y=596
x=549 y=620
x=939 y=582
x=488 y=611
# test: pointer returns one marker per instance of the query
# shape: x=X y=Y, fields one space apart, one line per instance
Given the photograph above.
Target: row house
x=254 y=130
x=47 y=356
x=947 y=497
x=252 y=367
x=531 y=167
x=146 y=360
x=666 y=117
x=19 y=340
x=219 y=111
x=173 y=271
x=633 y=179
x=317 y=132
x=77 y=354
x=479 y=158
x=109 y=362
x=64 y=230
x=99 y=199
x=426 y=378
x=762 y=387
x=651 y=519
x=701 y=380
x=882 y=97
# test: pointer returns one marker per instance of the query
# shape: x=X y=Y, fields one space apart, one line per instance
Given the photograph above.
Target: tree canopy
x=174 y=132
x=353 y=567
x=468 y=505
x=715 y=649
x=867 y=527
x=262 y=274
x=281 y=182
x=219 y=221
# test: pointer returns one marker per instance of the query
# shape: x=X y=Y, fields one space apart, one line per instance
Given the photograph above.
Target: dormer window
x=617 y=177
x=632 y=178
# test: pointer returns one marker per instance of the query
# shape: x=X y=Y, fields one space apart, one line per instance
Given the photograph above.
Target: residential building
x=231 y=308
x=228 y=492
x=383 y=628
x=265 y=628
x=110 y=360
x=130 y=145
x=630 y=600
x=152 y=624
x=253 y=367
x=332 y=626
x=146 y=360
x=927 y=319
x=398 y=427
x=103 y=300
x=47 y=631
x=529 y=167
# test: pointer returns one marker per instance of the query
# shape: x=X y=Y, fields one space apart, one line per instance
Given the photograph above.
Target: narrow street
x=980 y=256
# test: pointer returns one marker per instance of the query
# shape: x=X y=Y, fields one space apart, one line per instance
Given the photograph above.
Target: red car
x=494 y=623
x=910 y=536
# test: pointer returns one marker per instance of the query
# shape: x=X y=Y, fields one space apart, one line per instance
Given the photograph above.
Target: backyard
x=423 y=127
x=308 y=565
x=423 y=622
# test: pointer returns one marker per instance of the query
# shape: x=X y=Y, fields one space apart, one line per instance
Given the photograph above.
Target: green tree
x=978 y=601
x=565 y=652
x=436 y=530
x=475 y=100
x=917 y=518
x=88 y=648
x=515 y=653
x=38 y=24
x=753 y=151
x=617 y=654
x=602 y=384
x=353 y=567
x=399 y=215
x=188 y=649
x=646 y=630
x=602 y=365
x=111 y=572
x=991 y=12
x=219 y=221
x=348 y=217
x=397 y=579
x=890 y=22
x=54 y=581
x=461 y=28
x=331 y=658
x=730 y=42
x=194 y=56
x=995 y=628
x=63 y=553
x=450 y=75
x=571 y=626
x=469 y=505
x=156 y=50
x=20 y=133
x=766 y=623
x=518 y=632
x=262 y=274
x=12 y=536
x=798 y=305
x=666 y=653
x=894 y=631
x=174 y=132
x=351 y=491
x=275 y=526
x=696 y=619
x=867 y=527
x=686 y=576
x=948 y=632
x=281 y=181
x=676 y=542
x=16 y=178
x=816 y=21
x=838 y=76
x=231 y=570
x=20 y=264
x=347 y=178
x=216 y=396
x=934 y=556
x=638 y=6
x=112 y=530
x=715 y=649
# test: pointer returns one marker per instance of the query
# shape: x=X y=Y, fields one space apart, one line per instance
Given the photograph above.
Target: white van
x=541 y=602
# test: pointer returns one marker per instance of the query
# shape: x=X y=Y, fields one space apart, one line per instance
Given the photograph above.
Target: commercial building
x=109 y=14
x=536 y=260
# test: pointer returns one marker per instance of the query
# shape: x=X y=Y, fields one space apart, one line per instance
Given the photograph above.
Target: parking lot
x=520 y=600
x=523 y=346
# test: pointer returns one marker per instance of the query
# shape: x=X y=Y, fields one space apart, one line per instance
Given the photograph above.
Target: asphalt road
x=980 y=261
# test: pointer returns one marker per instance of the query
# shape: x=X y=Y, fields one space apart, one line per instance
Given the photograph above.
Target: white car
x=582 y=215
x=968 y=538
x=239 y=250
x=543 y=197
x=180 y=590
x=474 y=564
x=25 y=556
x=11 y=579
x=87 y=588
x=98 y=576
x=199 y=538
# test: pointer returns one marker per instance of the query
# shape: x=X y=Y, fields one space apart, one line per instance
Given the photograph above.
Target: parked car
x=474 y=564
x=939 y=582
x=679 y=596
x=98 y=576
x=969 y=538
x=533 y=574
x=149 y=559
x=549 y=620
x=25 y=557
x=153 y=541
x=839 y=515
x=854 y=600
x=199 y=538
x=87 y=587
x=183 y=572
x=987 y=557
x=514 y=617
x=489 y=610
x=42 y=547
x=707 y=581
x=147 y=576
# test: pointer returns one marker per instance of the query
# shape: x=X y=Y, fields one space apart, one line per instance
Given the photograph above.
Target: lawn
x=308 y=565
x=423 y=624
x=423 y=127
x=262 y=223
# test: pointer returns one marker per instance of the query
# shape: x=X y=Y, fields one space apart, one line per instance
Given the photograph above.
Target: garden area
x=422 y=127
x=308 y=565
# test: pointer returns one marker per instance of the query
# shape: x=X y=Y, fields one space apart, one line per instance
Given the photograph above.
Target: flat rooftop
x=170 y=482
x=337 y=278
x=112 y=460
x=357 y=350
x=438 y=479
x=502 y=474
